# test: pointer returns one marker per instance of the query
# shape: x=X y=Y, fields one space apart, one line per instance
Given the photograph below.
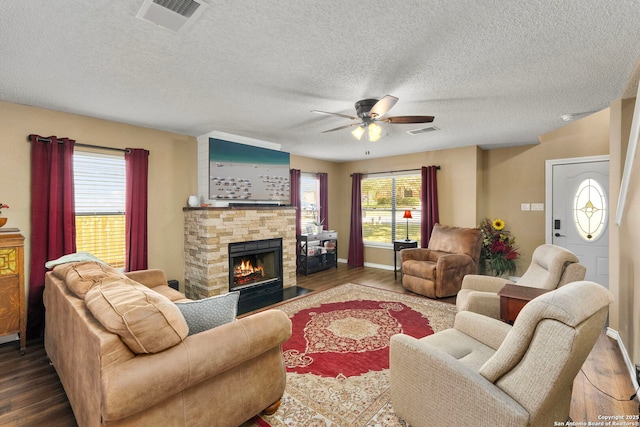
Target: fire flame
x=245 y=269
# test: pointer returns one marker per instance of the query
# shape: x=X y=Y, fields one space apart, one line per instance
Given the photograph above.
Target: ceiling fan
x=370 y=111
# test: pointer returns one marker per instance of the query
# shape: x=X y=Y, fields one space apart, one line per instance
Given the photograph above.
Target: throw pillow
x=146 y=321
x=208 y=313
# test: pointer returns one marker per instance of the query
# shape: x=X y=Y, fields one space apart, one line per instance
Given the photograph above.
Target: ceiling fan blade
x=408 y=119
x=342 y=127
x=335 y=114
x=382 y=106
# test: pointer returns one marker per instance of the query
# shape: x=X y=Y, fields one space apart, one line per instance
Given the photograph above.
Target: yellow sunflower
x=498 y=224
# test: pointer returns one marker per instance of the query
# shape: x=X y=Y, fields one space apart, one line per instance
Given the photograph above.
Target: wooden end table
x=399 y=245
x=514 y=297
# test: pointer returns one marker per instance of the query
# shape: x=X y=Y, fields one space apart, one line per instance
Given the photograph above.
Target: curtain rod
x=124 y=150
x=403 y=170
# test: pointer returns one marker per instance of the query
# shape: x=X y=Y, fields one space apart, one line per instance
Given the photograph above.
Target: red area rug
x=337 y=359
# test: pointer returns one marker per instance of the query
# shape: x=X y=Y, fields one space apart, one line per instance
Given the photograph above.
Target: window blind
x=99 y=181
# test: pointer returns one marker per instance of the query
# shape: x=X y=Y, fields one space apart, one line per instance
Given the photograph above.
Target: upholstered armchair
x=551 y=267
x=483 y=372
x=437 y=271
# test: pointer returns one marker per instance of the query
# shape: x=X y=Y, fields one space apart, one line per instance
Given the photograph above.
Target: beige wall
x=624 y=272
x=472 y=184
x=516 y=175
x=172 y=172
x=457 y=185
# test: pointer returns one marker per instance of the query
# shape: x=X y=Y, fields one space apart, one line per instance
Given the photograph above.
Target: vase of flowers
x=498 y=255
x=3 y=221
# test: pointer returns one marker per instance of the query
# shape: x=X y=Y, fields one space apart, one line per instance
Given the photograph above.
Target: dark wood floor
x=31 y=394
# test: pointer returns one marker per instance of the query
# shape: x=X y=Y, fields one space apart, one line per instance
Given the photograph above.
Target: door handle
x=559 y=235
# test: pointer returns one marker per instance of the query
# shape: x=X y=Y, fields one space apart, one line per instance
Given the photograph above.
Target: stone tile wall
x=208 y=232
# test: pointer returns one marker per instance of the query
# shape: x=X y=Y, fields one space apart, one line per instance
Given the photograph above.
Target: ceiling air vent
x=422 y=130
x=174 y=15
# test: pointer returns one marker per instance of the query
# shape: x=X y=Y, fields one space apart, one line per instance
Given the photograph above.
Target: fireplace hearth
x=255 y=268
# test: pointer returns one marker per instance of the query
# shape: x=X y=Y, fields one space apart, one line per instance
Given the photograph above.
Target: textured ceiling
x=493 y=73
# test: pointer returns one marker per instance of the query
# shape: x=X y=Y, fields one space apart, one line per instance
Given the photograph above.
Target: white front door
x=580 y=211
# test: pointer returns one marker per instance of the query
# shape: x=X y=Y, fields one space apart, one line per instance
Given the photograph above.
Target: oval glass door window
x=590 y=209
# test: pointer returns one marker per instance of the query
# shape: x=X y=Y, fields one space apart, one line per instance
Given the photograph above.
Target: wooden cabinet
x=317 y=252
x=13 y=315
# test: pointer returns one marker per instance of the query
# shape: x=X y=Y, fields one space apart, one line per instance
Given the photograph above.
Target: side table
x=513 y=298
x=399 y=245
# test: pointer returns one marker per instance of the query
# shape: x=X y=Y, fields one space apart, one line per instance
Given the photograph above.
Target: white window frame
x=309 y=199
x=396 y=212
x=100 y=185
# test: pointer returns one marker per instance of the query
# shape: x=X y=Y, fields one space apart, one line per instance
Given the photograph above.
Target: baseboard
x=612 y=333
x=370 y=264
x=379 y=266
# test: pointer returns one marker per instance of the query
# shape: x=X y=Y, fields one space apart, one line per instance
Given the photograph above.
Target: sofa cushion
x=82 y=276
x=146 y=321
x=208 y=313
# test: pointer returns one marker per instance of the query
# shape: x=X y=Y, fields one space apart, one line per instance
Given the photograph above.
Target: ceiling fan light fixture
x=374 y=132
x=358 y=132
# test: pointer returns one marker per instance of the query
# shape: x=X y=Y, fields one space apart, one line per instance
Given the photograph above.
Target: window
x=589 y=209
x=99 y=181
x=384 y=201
x=309 y=199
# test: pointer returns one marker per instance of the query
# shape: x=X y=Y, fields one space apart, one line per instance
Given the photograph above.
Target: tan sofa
x=437 y=271
x=218 y=377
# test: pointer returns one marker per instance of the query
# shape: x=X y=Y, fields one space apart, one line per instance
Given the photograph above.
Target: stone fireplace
x=210 y=231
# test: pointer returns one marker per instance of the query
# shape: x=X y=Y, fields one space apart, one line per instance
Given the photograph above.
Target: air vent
x=422 y=130
x=174 y=15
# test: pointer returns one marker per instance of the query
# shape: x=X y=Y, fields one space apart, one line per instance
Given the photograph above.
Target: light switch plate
x=525 y=206
x=537 y=206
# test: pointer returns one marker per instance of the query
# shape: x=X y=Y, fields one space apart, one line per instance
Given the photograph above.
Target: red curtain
x=137 y=168
x=356 y=243
x=429 y=199
x=323 y=180
x=295 y=198
x=53 y=221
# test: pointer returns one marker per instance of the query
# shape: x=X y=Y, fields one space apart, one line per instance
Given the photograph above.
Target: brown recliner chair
x=437 y=271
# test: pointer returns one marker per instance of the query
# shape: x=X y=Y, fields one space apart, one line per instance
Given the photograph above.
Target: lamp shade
x=358 y=132
x=407 y=214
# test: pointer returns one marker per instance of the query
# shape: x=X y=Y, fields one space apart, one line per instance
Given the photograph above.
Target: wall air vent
x=174 y=15
x=422 y=130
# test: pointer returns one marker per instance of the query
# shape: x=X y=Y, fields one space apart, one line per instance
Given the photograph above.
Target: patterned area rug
x=338 y=356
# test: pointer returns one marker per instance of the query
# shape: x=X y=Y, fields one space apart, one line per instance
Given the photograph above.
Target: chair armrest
x=149 y=278
x=430 y=387
x=146 y=380
x=485 y=303
x=452 y=267
x=482 y=283
x=414 y=254
x=489 y=331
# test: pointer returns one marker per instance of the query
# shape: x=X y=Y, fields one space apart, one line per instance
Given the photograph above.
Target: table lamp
x=407 y=215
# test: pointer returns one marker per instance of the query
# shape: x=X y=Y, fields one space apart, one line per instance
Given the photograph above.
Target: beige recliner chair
x=483 y=372
x=551 y=267
x=437 y=271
